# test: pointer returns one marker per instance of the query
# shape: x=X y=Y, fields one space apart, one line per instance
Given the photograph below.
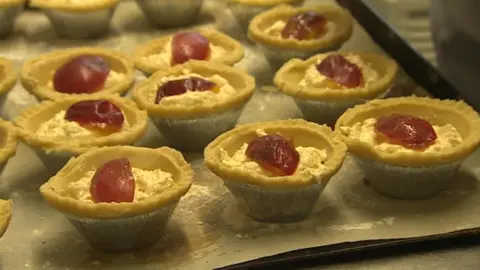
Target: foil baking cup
x=170 y=13
x=81 y=25
x=194 y=134
x=124 y=234
x=327 y=112
x=407 y=182
x=277 y=57
x=275 y=205
x=7 y=19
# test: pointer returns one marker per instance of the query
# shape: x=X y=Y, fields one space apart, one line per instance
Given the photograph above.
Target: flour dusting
x=389 y=221
x=198 y=191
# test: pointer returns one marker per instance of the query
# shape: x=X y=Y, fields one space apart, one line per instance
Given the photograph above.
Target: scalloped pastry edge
x=333 y=162
x=118 y=210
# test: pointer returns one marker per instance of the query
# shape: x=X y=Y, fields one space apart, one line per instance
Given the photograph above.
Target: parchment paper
x=207 y=230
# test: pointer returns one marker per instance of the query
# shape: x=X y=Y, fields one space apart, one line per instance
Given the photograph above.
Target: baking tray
x=207 y=230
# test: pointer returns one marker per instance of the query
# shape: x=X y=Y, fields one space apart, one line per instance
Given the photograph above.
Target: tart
x=78 y=19
x=5 y=215
x=202 y=44
x=120 y=198
x=325 y=85
x=9 y=10
x=58 y=130
x=245 y=10
x=276 y=170
x=77 y=71
x=170 y=13
x=410 y=147
x=8 y=142
x=8 y=76
x=194 y=102
x=287 y=32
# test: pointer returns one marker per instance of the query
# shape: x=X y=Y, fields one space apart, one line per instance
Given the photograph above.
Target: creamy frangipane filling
x=447 y=137
x=311 y=160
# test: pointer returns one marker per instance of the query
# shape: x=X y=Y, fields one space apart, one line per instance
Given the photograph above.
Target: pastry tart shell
x=5 y=215
x=279 y=50
x=277 y=199
x=419 y=174
x=292 y=72
x=234 y=50
x=37 y=72
x=8 y=76
x=61 y=149
x=180 y=123
x=120 y=226
x=321 y=105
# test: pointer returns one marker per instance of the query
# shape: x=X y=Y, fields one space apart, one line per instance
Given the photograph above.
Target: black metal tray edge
x=414 y=64
x=324 y=252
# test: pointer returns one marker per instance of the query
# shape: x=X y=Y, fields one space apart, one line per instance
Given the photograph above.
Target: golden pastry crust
x=291 y=73
x=8 y=76
x=5 y=215
x=234 y=50
x=302 y=132
x=341 y=32
x=163 y=158
x=8 y=140
x=73 y=7
x=37 y=72
x=243 y=83
x=30 y=119
x=264 y=3
x=437 y=112
x=9 y=3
